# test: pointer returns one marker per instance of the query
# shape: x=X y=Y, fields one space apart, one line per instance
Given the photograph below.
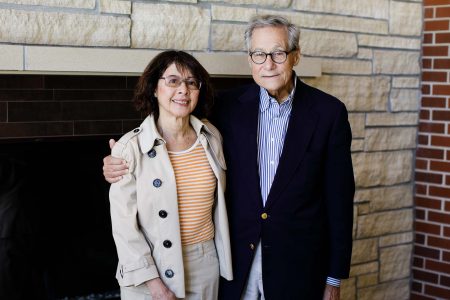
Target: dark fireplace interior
x=55 y=231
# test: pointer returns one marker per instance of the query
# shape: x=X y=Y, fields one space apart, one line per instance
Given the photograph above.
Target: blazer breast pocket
x=313 y=157
x=312 y=167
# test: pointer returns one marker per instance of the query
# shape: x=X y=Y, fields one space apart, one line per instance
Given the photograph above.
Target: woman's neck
x=177 y=132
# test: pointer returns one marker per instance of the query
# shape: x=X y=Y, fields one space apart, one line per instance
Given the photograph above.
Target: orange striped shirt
x=196 y=185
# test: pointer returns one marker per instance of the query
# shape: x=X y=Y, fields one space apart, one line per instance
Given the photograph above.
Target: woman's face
x=177 y=101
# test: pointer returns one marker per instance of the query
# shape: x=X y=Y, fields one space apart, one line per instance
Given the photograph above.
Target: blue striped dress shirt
x=272 y=127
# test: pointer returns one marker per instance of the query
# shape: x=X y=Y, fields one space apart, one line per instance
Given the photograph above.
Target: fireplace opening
x=61 y=229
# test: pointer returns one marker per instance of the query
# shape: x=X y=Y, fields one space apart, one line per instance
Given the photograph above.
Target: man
x=290 y=182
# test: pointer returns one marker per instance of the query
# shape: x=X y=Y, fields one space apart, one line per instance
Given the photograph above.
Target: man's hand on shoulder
x=114 y=168
x=331 y=293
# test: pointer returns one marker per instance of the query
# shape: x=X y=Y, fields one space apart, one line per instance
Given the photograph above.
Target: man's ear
x=297 y=57
x=249 y=60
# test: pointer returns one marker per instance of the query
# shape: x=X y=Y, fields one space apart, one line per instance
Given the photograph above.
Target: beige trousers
x=254 y=287
x=201 y=273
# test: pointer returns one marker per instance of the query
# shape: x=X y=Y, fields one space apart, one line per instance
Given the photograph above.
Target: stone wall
x=369 y=53
x=431 y=267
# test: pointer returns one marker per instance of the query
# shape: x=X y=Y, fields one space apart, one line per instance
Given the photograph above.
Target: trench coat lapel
x=302 y=124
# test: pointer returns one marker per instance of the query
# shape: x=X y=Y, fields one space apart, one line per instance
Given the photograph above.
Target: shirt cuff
x=333 y=281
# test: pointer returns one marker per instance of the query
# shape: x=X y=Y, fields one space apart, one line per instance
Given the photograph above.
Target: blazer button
x=169 y=273
x=151 y=153
x=264 y=216
x=252 y=246
x=167 y=244
x=157 y=183
x=162 y=213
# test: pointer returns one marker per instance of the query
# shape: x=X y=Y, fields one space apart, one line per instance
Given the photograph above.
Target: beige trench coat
x=144 y=208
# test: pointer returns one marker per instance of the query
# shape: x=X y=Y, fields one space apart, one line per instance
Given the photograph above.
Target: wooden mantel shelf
x=20 y=59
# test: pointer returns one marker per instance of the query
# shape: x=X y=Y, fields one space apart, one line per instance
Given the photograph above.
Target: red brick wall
x=431 y=265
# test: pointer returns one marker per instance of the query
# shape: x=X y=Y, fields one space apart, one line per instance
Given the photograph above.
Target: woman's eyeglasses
x=175 y=81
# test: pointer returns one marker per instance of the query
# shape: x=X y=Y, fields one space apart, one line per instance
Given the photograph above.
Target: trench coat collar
x=149 y=135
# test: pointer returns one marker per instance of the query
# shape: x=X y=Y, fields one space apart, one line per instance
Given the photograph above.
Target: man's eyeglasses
x=259 y=57
x=175 y=81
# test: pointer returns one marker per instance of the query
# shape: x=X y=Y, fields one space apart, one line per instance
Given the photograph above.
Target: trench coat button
x=264 y=216
x=162 y=213
x=252 y=246
x=169 y=273
x=136 y=130
x=157 y=183
x=167 y=244
x=151 y=153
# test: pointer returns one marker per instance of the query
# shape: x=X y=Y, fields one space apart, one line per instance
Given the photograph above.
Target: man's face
x=274 y=77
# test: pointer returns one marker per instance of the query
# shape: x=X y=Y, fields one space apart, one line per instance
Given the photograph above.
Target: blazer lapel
x=247 y=144
x=301 y=126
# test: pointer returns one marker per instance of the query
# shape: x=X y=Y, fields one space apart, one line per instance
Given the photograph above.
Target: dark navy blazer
x=307 y=234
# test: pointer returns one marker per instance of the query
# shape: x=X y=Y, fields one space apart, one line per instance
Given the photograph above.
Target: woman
x=168 y=213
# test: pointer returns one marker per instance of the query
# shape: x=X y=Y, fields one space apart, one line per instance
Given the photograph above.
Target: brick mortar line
x=427 y=210
x=432 y=223
x=435 y=273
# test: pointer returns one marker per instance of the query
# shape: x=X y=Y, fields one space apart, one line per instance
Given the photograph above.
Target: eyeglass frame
x=271 y=56
x=181 y=81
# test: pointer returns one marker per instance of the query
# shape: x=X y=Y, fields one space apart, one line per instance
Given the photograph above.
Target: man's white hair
x=260 y=21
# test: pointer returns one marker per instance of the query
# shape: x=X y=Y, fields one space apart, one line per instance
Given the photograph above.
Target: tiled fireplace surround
x=62 y=106
x=58 y=126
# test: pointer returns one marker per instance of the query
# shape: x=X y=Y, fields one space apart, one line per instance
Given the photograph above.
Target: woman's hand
x=159 y=290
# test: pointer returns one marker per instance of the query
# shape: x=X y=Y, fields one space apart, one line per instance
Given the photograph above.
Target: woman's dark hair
x=144 y=98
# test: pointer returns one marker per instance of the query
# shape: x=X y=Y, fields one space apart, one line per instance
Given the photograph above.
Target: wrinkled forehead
x=269 y=37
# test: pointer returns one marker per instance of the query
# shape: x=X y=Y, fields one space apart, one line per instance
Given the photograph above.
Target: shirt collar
x=149 y=135
x=266 y=99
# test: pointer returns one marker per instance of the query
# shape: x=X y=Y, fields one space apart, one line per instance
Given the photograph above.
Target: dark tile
x=62 y=111
x=26 y=95
x=97 y=127
x=132 y=81
x=34 y=111
x=129 y=125
x=84 y=82
x=3 y=111
x=44 y=129
x=64 y=95
x=227 y=83
x=98 y=110
x=21 y=81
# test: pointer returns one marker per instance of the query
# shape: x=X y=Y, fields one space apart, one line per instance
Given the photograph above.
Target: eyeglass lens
x=175 y=81
x=260 y=57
